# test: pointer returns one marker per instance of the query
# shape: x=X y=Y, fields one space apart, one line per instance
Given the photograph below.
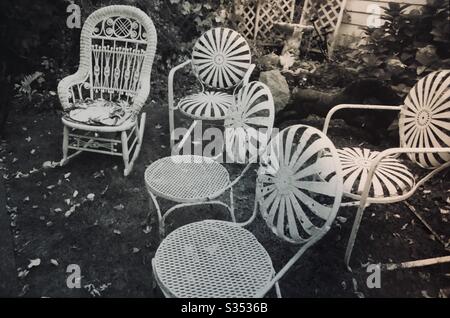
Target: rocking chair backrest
x=299 y=187
x=118 y=45
x=249 y=124
x=221 y=58
x=425 y=119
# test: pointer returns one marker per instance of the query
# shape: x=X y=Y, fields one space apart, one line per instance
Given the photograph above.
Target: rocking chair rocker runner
x=221 y=61
x=118 y=45
x=373 y=177
x=298 y=192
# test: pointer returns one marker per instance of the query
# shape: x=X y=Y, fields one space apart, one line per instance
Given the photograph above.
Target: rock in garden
x=278 y=86
x=269 y=62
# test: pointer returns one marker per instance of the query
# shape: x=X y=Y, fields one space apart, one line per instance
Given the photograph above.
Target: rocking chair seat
x=128 y=124
x=392 y=178
x=186 y=178
x=206 y=105
x=212 y=259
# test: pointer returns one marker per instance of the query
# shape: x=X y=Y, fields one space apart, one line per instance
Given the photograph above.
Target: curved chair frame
x=431 y=91
x=213 y=53
x=282 y=202
x=103 y=73
x=254 y=109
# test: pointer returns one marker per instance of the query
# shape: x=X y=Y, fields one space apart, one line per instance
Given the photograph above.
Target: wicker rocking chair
x=118 y=45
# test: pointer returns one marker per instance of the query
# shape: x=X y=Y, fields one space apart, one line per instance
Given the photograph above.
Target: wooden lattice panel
x=256 y=19
x=247 y=19
x=327 y=18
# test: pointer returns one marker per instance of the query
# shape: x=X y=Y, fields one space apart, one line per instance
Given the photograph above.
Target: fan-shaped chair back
x=249 y=124
x=425 y=119
x=221 y=58
x=118 y=45
x=299 y=186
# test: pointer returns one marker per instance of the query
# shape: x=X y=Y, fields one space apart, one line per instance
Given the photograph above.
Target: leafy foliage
x=409 y=45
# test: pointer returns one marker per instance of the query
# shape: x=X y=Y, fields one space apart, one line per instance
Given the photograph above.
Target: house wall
x=363 y=12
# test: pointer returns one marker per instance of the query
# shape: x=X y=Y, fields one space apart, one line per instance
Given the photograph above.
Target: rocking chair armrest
x=355 y=106
x=391 y=152
x=171 y=79
x=66 y=84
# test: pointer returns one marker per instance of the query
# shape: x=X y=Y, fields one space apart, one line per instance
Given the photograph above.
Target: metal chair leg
x=355 y=228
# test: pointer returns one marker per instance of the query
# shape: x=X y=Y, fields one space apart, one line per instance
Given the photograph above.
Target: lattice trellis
x=327 y=19
x=257 y=18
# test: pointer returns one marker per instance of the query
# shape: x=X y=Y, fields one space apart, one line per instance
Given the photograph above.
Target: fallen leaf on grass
x=99 y=174
x=51 y=187
x=444 y=211
x=147 y=229
x=75 y=194
x=23 y=273
x=28 y=139
x=72 y=210
x=50 y=164
x=27 y=199
x=342 y=219
x=34 y=263
x=117 y=232
x=136 y=250
x=67 y=175
x=54 y=262
x=90 y=196
x=104 y=191
x=19 y=175
x=119 y=207
x=33 y=151
x=426 y=191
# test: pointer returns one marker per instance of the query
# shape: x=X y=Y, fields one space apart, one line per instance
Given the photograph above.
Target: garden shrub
x=409 y=45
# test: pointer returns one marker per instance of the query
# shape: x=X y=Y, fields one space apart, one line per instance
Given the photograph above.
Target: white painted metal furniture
x=298 y=193
x=118 y=45
x=373 y=177
x=192 y=180
x=221 y=62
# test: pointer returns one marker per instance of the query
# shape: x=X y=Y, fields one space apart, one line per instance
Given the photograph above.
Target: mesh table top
x=212 y=259
x=186 y=178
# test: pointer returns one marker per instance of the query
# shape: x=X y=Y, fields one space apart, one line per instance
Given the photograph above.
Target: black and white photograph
x=206 y=150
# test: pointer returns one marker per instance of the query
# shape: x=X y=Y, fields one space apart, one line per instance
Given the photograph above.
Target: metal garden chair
x=298 y=193
x=373 y=177
x=192 y=180
x=221 y=62
x=118 y=45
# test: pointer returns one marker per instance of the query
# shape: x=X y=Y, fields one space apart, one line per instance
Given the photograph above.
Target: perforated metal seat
x=298 y=192
x=186 y=178
x=212 y=259
x=206 y=105
x=391 y=178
